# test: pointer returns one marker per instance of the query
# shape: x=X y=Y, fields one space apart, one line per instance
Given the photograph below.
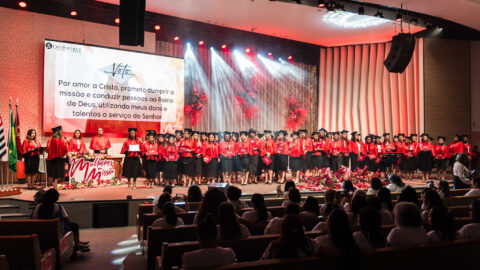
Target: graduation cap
x=413 y=135
x=227 y=133
x=235 y=134
x=458 y=136
x=212 y=133
x=188 y=130
x=293 y=134
x=204 y=133
x=401 y=134
x=424 y=134
x=160 y=135
x=243 y=133
x=178 y=131
x=260 y=135
x=335 y=133
x=441 y=137
x=170 y=136
x=267 y=131
x=377 y=137
x=408 y=137
x=395 y=137
x=252 y=130
x=151 y=133
x=133 y=129
x=195 y=132
x=386 y=134
x=324 y=130
x=56 y=129
x=354 y=133
x=344 y=131
x=315 y=133
x=465 y=136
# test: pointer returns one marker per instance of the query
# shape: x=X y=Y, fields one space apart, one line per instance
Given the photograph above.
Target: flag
x=3 y=144
x=12 y=144
x=17 y=135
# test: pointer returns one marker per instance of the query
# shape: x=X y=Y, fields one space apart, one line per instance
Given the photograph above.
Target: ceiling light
x=22 y=4
x=73 y=13
x=157 y=27
x=351 y=20
x=117 y=20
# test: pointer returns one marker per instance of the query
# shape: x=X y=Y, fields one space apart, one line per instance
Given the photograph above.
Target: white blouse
x=461 y=172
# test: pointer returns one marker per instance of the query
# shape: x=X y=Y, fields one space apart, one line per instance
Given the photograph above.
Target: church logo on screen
x=48 y=45
x=120 y=72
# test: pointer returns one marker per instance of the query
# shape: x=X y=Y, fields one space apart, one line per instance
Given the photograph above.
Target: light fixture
x=247 y=50
x=176 y=38
x=73 y=13
x=201 y=43
x=22 y=4
x=157 y=27
x=321 y=3
x=345 y=19
x=399 y=17
x=224 y=46
x=270 y=54
x=361 y=11
x=117 y=20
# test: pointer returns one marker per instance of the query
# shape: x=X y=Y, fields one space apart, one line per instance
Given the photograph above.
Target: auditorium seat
x=49 y=235
x=23 y=253
x=3 y=263
x=142 y=210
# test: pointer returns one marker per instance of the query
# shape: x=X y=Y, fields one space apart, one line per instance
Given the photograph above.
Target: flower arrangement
x=326 y=179
x=247 y=102
x=90 y=184
x=297 y=113
x=192 y=110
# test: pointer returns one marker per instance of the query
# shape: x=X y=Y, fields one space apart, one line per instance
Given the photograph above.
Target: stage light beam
x=157 y=27
x=73 y=13
x=22 y=4
x=117 y=20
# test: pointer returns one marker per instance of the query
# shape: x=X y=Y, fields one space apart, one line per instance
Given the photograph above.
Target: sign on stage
x=82 y=170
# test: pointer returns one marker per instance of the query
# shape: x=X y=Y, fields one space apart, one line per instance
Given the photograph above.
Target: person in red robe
x=371 y=153
x=467 y=147
x=295 y=154
x=267 y=152
x=281 y=156
x=76 y=144
x=150 y=153
x=31 y=154
x=243 y=150
x=455 y=148
x=226 y=151
x=57 y=152
x=211 y=158
x=161 y=161
x=197 y=152
x=131 y=162
x=100 y=143
x=307 y=145
x=336 y=151
x=346 y=148
x=357 y=151
x=408 y=162
x=389 y=154
x=253 y=169
x=442 y=155
x=186 y=148
x=425 y=154
x=171 y=156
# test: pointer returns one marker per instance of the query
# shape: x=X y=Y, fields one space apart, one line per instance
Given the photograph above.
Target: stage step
x=15 y=216
x=9 y=208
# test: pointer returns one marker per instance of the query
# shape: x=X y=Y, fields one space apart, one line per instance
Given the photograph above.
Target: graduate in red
x=442 y=155
x=389 y=153
x=398 y=143
x=100 y=143
x=57 y=153
x=307 y=143
x=425 y=154
x=318 y=147
x=243 y=151
x=186 y=149
x=268 y=149
x=346 y=148
x=161 y=161
x=197 y=157
x=31 y=155
x=226 y=151
x=295 y=154
x=210 y=158
x=150 y=153
x=380 y=152
x=357 y=151
x=131 y=162
x=171 y=156
x=253 y=170
x=76 y=145
x=455 y=148
x=371 y=156
x=467 y=147
x=408 y=162
x=336 y=151
x=281 y=158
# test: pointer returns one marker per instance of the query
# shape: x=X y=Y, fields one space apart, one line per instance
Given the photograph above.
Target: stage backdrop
x=86 y=87
x=357 y=93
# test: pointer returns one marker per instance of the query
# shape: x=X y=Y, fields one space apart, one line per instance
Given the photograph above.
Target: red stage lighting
x=176 y=38
x=201 y=43
x=22 y=4
x=270 y=54
x=321 y=5
x=73 y=13
x=247 y=50
x=290 y=58
x=157 y=27
x=224 y=46
x=117 y=20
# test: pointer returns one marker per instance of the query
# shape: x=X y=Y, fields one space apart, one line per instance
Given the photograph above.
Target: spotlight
x=270 y=54
x=73 y=13
x=399 y=17
x=361 y=11
x=176 y=38
x=290 y=58
x=224 y=46
x=379 y=14
x=157 y=27
x=321 y=3
x=22 y=4
x=247 y=50
x=201 y=43
x=117 y=20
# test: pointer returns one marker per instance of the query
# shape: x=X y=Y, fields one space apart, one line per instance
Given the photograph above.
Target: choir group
x=189 y=157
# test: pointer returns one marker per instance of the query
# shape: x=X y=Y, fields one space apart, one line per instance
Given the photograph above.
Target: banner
x=99 y=169
x=87 y=87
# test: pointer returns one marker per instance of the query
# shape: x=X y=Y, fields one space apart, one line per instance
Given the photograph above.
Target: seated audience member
x=293 y=197
x=275 y=224
x=50 y=209
x=259 y=213
x=443 y=189
x=461 y=174
x=292 y=243
x=233 y=196
x=167 y=189
x=329 y=198
x=430 y=200
x=385 y=198
x=311 y=210
x=194 y=194
x=209 y=254
x=409 y=229
x=164 y=198
x=443 y=225
x=229 y=227
x=472 y=230
x=322 y=226
x=475 y=191
x=169 y=220
x=288 y=184
x=340 y=238
x=396 y=183
x=370 y=234
x=348 y=187
x=386 y=217
x=359 y=201
x=409 y=194
x=210 y=202
x=375 y=185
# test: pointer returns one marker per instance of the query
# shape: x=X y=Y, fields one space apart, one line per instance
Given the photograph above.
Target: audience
x=475 y=191
x=162 y=199
x=322 y=226
x=370 y=234
x=259 y=214
x=229 y=227
x=386 y=217
x=430 y=200
x=443 y=225
x=385 y=198
x=293 y=197
x=311 y=210
x=472 y=230
x=209 y=254
x=409 y=229
x=194 y=194
x=233 y=196
x=443 y=189
x=375 y=186
x=169 y=220
x=330 y=196
x=396 y=183
x=167 y=189
x=292 y=243
x=461 y=174
x=359 y=201
x=210 y=202
x=275 y=224
x=288 y=184
x=409 y=194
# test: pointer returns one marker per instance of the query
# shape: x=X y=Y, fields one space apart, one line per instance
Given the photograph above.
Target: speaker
x=132 y=22
x=400 y=53
x=221 y=186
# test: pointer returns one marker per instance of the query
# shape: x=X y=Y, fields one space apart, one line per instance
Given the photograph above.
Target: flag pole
x=16 y=134
x=9 y=128
x=1 y=172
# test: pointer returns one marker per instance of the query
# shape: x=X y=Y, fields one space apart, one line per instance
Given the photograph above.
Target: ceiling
x=280 y=19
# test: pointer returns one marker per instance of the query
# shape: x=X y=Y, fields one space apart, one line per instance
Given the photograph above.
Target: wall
x=21 y=51
x=475 y=88
x=447 y=87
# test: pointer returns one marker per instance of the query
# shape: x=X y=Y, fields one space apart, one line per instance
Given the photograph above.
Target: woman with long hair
x=150 y=153
x=31 y=155
x=76 y=144
x=57 y=152
x=131 y=162
x=443 y=225
x=228 y=223
x=370 y=234
x=295 y=153
x=259 y=213
x=197 y=158
x=211 y=158
x=161 y=159
x=210 y=202
x=281 y=157
x=171 y=156
x=170 y=219
x=385 y=198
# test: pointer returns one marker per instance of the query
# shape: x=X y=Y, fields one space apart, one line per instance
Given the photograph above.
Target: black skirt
x=308 y=161
x=425 y=161
x=296 y=163
x=408 y=164
x=237 y=167
x=150 y=169
x=253 y=165
x=31 y=164
x=131 y=167
x=226 y=164
x=317 y=161
x=198 y=165
x=244 y=162
x=56 y=168
x=211 y=168
x=187 y=166
x=281 y=162
x=160 y=165
x=441 y=164
x=170 y=170
x=271 y=165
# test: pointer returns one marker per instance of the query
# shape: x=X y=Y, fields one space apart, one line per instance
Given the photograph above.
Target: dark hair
x=475 y=210
x=396 y=180
x=348 y=186
x=329 y=195
x=341 y=235
x=207 y=229
x=407 y=214
x=168 y=189
x=169 y=213
x=443 y=223
x=46 y=209
x=385 y=197
x=311 y=205
x=164 y=198
x=29 y=134
x=227 y=219
x=375 y=203
x=288 y=185
x=210 y=202
x=462 y=158
x=38 y=197
x=371 y=228
x=359 y=201
x=259 y=204
x=477 y=181
x=444 y=187
x=194 y=194
x=294 y=195
x=76 y=132
x=375 y=183
x=292 y=209
x=233 y=193
x=431 y=199
x=292 y=238
x=408 y=195
x=329 y=207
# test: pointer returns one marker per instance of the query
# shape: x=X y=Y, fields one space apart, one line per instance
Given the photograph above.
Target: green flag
x=12 y=144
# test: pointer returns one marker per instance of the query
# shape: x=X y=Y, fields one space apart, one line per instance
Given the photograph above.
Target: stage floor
x=121 y=192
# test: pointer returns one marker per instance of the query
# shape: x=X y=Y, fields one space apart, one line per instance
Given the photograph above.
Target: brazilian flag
x=12 y=145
